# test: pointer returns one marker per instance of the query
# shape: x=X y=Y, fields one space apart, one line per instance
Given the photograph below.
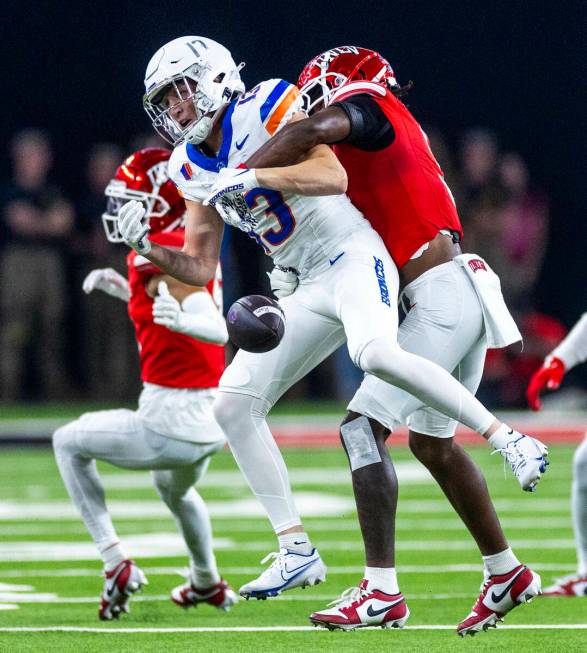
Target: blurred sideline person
x=36 y=220
x=455 y=311
x=194 y=94
x=570 y=352
x=173 y=433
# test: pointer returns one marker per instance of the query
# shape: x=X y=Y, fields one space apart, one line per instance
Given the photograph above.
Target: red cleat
x=360 y=607
x=221 y=596
x=499 y=595
x=123 y=581
x=573 y=585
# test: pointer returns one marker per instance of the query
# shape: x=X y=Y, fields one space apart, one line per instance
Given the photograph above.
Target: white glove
x=283 y=281
x=167 y=310
x=231 y=181
x=199 y=318
x=133 y=229
x=109 y=281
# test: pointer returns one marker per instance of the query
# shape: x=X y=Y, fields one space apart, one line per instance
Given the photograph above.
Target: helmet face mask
x=203 y=68
x=144 y=177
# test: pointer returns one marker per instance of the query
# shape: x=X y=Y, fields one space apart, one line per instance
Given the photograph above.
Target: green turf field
x=49 y=574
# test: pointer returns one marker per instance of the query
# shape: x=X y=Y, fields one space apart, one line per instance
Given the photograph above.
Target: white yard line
x=261 y=629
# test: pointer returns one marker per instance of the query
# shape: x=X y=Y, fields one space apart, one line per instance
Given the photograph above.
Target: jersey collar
x=215 y=163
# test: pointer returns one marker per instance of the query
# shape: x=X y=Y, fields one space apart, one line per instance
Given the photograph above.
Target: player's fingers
x=163 y=289
x=89 y=282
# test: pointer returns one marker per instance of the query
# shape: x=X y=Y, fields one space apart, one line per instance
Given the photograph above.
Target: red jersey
x=167 y=358
x=400 y=189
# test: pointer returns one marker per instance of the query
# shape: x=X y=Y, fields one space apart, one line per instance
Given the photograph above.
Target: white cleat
x=123 y=581
x=287 y=571
x=528 y=458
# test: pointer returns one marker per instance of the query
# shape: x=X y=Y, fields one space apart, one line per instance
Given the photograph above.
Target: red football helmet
x=328 y=71
x=143 y=176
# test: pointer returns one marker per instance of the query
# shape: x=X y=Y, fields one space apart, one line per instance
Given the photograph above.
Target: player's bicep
x=370 y=129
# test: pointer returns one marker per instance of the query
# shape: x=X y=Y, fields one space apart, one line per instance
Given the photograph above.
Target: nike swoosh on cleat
x=239 y=146
x=298 y=569
x=496 y=598
x=374 y=613
x=335 y=259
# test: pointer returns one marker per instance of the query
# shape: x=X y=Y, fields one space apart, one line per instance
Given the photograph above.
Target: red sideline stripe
x=296 y=438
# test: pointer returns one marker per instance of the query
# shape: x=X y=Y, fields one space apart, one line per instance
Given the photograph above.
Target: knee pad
x=360 y=443
x=64 y=439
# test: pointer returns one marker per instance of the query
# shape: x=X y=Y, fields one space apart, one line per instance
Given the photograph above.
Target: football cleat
x=573 y=585
x=120 y=583
x=361 y=607
x=287 y=571
x=527 y=457
x=499 y=595
x=221 y=595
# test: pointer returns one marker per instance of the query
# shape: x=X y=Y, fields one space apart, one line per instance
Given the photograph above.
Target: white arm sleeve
x=573 y=349
x=202 y=320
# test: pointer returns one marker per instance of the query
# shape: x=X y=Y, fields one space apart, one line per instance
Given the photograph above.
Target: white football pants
x=445 y=325
x=353 y=299
x=119 y=437
x=579 y=505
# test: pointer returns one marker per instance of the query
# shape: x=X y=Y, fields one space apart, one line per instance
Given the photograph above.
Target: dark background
x=515 y=67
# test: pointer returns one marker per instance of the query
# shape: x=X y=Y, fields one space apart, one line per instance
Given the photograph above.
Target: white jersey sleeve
x=573 y=349
x=296 y=231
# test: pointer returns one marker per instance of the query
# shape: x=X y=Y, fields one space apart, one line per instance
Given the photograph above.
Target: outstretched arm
x=298 y=137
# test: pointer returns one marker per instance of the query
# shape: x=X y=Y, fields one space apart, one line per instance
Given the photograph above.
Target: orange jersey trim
x=277 y=116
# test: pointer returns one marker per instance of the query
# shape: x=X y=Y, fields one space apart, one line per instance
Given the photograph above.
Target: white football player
x=348 y=284
x=570 y=352
x=180 y=331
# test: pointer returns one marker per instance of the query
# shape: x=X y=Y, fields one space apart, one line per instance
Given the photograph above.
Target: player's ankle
x=112 y=555
x=203 y=578
x=296 y=542
x=501 y=563
x=383 y=579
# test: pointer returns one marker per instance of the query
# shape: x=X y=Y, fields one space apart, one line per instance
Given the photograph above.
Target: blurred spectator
x=35 y=220
x=105 y=331
x=523 y=223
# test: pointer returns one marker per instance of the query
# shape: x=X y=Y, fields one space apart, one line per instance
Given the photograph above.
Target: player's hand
x=167 y=310
x=109 y=281
x=133 y=229
x=549 y=376
x=231 y=181
x=283 y=281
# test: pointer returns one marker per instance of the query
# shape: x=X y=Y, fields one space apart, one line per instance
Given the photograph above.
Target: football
x=256 y=323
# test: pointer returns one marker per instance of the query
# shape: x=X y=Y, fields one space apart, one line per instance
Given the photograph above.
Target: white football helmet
x=211 y=78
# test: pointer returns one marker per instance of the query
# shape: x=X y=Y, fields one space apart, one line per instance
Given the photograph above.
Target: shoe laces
x=349 y=596
x=513 y=455
x=278 y=558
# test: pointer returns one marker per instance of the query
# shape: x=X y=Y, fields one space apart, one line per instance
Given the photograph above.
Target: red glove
x=550 y=376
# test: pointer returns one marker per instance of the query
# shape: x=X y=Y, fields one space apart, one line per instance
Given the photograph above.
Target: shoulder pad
x=276 y=101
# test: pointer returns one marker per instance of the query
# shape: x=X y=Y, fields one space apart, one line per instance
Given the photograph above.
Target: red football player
x=180 y=332
x=455 y=312
x=570 y=352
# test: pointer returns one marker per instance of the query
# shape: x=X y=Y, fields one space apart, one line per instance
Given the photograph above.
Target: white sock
x=500 y=563
x=112 y=555
x=296 y=542
x=203 y=578
x=502 y=436
x=383 y=579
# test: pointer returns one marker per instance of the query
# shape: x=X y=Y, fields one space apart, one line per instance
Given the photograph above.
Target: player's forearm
x=312 y=177
x=184 y=267
x=573 y=349
x=287 y=147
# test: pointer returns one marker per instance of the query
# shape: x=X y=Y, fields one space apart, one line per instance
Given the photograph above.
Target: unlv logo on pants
x=477 y=264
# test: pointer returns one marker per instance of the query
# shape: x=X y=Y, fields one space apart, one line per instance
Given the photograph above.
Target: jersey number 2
x=277 y=208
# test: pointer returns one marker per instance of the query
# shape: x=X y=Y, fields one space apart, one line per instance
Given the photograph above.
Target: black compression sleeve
x=370 y=127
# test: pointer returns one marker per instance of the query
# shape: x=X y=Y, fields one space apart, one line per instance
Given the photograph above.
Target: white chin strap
x=200 y=131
